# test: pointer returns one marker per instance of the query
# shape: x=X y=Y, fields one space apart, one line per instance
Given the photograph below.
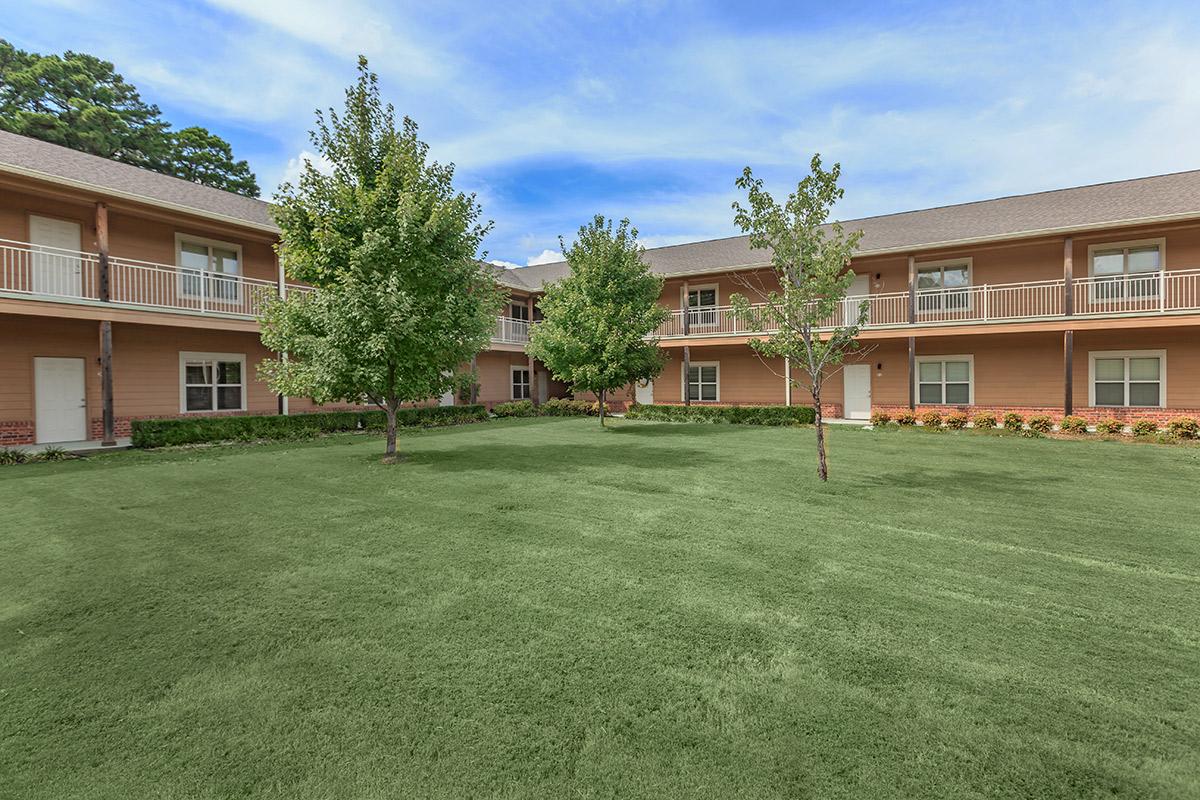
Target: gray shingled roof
x=1061 y=210
x=39 y=158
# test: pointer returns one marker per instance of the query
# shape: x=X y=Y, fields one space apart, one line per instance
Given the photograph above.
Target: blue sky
x=556 y=111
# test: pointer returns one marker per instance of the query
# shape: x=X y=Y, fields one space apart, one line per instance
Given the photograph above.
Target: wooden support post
x=912 y=290
x=1068 y=277
x=102 y=247
x=912 y=373
x=685 y=310
x=109 y=436
x=787 y=381
x=533 y=384
x=474 y=392
x=1068 y=372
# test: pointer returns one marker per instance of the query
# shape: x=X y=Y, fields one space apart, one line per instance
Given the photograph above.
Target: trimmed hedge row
x=554 y=407
x=195 y=430
x=733 y=415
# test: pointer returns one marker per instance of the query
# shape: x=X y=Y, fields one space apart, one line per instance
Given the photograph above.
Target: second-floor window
x=702 y=306
x=945 y=286
x=1126 y=270
x=519 y=311
x=209 y=269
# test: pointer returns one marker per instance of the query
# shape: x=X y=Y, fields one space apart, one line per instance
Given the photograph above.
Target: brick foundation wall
x=1092 y=414
x=16 y=432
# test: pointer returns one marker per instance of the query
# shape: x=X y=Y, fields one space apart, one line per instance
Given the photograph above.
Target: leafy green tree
x=805 y=319
x=596 y=322
x=78 y=101
x=205 y=158
x=401 y=300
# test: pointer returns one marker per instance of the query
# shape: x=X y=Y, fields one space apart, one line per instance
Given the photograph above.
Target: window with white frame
x=208 y=268
x=1126 y=269
x=1129 y=378
x=945 y=380
x=702 y=306
x=944 y=286
x=520 y=383
x=519 y=311
x=703 y=381
x=212 y=382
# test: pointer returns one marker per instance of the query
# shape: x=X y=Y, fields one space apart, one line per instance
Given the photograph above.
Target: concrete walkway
x=123 y=443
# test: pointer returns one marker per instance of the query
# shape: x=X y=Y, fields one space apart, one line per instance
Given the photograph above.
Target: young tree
x=78 y=101
x=597 y=320
x=401 y=300
x=806 y=319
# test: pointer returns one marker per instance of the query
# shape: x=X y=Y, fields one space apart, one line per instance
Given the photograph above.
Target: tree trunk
x=603 y=392
x=390 y=453
x=822 y=467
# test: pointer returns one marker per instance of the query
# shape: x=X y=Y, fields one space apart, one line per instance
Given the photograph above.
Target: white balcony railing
x=1174 y=291
x=69 y=275
x=511 y=331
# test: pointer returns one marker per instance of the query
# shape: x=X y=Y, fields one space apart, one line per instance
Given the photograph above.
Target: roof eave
x=133 y=197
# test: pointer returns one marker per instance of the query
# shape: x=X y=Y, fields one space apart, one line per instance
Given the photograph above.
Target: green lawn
x=538 y=608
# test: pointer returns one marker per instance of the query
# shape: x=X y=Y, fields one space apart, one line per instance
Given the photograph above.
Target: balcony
x=511 y=331
x=67 y=276
x=1159 y=293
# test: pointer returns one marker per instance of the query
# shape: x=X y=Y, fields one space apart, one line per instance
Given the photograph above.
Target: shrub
x=1041 y=423
x=1014 y=421
x=880 y=418
x=1145 y=427
x=1073 y=424
x=11 y=455
x=906 y=418
x=1109 y=425
x=956 y=420
x=194 y=430
x=517 y=408
x=735 y=415
x=984 y=420
x=931 y=419
x=557 y=407
x=1184 y=428
x=53 y=454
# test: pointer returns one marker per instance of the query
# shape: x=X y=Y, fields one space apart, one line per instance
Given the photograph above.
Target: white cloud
x=506 y=264
x=544 y=257
x=295 y=166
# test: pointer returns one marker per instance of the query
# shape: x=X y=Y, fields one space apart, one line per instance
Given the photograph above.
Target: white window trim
x=684 y=380
x=700 y=287
x=1160 y=241
x=185 y=356
x=512 y=383
x=514 y=304
x=943 y=263
x=180 y=238
x=1161 y=355
x=970 y=359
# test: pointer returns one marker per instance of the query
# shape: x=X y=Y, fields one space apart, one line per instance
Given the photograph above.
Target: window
x=212 y=382
x=703 y=382
x=945 y=381
x=1130 y=378
x=1126 y=269
x=520 y=383
x=702 y=306
x=208 y=268
x=519 y=311
x=944 y=286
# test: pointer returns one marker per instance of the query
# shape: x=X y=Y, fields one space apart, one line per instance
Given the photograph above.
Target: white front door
x=54 y=271
x=447 y=399
x=61 y=399
x=856 y=382
x=543 y=381
x=860 y=288
x=643 y=393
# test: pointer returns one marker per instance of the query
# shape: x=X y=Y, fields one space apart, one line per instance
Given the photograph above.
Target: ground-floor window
x=212 y=381
x=945 y=380
x=520 y=383
x=703 y=381
x=1128 y=378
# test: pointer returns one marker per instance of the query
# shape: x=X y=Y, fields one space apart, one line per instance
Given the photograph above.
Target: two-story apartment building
x=127 y=294
x=1083 y=300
